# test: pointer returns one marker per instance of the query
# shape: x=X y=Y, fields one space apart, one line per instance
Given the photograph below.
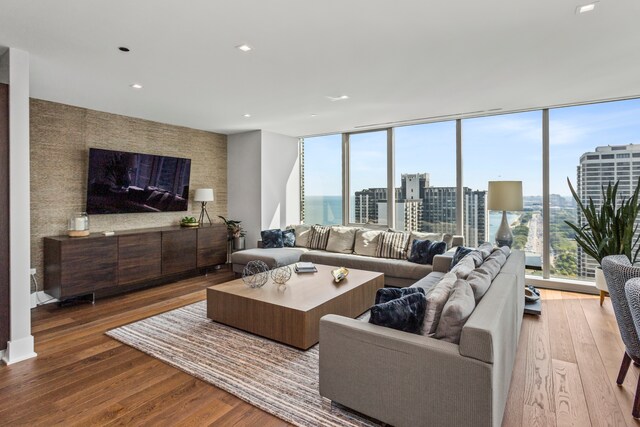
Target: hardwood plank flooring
x=564 y=374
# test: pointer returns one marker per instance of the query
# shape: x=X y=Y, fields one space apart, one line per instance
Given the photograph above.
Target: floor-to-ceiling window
x=504 y=148
x=591 y=145
x=321 y=159
x=368 y=192
x=425 y=175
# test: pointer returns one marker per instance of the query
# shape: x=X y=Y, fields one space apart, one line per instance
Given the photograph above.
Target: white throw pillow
x=464 y=267
x=341 y=239
x=366 y=242
x=436 y=299
x=302 y=234
x=456 y=311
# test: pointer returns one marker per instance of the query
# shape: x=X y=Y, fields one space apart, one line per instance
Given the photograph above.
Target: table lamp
x=204 y=195
x=505 y=196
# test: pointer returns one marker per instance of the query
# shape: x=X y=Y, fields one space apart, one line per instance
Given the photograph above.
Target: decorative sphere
x=280 y=275
x=255 y=274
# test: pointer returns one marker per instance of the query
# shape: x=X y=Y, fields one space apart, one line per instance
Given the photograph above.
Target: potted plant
x=609 y=229
x=236 y=232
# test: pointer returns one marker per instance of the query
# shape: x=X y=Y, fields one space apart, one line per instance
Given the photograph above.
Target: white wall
x=263 y=181
x=280 y=181
x=243 y=182
x=20 y=345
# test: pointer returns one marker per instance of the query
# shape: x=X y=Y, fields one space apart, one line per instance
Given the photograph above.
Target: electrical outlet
x=33 y=271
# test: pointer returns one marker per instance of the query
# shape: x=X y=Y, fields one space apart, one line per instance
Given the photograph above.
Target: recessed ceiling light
x=247 y=115
x=586 y=8
x=338 y=98
x=136 y=86
x=244 y=47
x=123 y=49
x=313 y=115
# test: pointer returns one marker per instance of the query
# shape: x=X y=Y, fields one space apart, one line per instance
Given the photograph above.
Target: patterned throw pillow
x=389 y=294
x=289 y=238
x=405 y=314
x=271 y=238
x=319 y=237
x=423 y=251
x=392 y=245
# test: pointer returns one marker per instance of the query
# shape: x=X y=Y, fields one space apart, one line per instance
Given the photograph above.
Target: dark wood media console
x=75 y=266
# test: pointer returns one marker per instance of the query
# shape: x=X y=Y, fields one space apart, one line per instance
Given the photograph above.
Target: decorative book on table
x=305 y=267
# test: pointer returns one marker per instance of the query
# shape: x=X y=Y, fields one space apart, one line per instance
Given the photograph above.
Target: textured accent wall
x=61 y=136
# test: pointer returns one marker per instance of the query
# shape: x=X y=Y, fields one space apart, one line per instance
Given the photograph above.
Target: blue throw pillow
x=272 y=238
x=388 y=294
x=423 y=251
x=405 y=314
x=461 y=252
x=289 y=238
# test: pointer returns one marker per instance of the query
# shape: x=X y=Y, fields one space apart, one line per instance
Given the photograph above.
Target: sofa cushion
x=436 y=299
x=366 y=242
x=460 y=253
x=416 y=235
x=341 y=239
x=480 y=279
x=272 y=257
x=485 y=249
x=388 y=294
x=399 y=268
x=272 y=238
x=392 y=245
x=464 y=267
x=319 y=237
x=405 y=314
x=303 y=231
x=448 y=239
x=288 y=238
x=429 y=281
x=456 y=311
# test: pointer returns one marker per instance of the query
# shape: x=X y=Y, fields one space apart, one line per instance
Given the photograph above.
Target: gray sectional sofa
x=397 y=272
x=406 y=379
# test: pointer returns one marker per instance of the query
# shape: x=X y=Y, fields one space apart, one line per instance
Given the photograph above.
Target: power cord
x=35 y=283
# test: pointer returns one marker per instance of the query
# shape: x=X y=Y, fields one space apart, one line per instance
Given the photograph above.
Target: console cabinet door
x=178 y=251
x=139 y=257
x=212 y=245
x=87 y=265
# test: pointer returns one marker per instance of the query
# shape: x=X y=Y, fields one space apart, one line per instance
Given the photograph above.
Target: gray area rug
x=276 y=378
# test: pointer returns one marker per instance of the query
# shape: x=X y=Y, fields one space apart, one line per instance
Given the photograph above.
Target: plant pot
x=601 y=282
x=238 y=243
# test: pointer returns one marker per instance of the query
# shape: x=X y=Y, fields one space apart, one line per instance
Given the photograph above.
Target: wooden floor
x=565 y=371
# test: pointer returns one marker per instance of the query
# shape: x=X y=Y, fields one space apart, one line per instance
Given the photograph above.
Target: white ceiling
x=397 y=60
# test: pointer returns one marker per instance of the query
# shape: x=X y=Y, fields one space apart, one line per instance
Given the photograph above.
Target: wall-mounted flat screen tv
x=123 y=182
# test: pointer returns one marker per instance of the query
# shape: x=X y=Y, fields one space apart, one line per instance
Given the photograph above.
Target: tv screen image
x=123 y=182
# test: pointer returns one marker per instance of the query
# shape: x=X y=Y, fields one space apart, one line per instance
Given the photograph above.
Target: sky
x=504 y=147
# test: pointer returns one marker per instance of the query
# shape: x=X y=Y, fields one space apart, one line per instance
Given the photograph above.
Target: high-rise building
x=366 y=204
x=413 y=185
x=600 y=167
x=439 y=213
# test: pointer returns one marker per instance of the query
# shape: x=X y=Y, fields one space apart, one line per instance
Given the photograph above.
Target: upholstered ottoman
x=272 y=257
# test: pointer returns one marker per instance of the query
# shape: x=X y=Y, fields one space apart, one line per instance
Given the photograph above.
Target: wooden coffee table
x=292 y=316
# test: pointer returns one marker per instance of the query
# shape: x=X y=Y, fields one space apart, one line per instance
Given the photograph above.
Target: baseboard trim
x=39 y=296
x=19 y=350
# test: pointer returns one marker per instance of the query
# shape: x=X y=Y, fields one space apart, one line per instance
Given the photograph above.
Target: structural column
x=20 y=345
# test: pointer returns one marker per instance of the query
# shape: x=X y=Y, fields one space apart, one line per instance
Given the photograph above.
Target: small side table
x=534 y=307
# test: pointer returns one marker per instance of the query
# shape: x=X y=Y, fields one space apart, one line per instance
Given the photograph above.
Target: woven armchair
x=618 y=271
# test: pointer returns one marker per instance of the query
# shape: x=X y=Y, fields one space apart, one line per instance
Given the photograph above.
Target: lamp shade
x=505 y=196
x=204 y=195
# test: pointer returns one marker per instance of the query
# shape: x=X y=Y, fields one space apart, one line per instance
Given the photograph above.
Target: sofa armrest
x=442 y=263
x=401 y=378
x=457 y=241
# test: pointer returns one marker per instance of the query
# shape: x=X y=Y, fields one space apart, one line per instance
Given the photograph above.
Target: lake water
x=328 y=210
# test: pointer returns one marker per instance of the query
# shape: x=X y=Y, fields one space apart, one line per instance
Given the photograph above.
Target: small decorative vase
x=78 y=225
x=238 y=243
